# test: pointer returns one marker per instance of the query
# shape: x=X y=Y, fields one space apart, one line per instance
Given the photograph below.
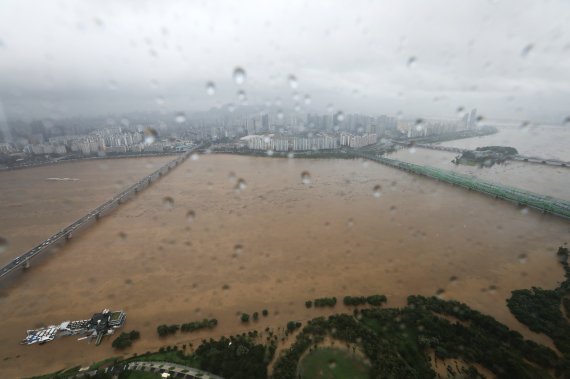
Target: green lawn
x=330 y=363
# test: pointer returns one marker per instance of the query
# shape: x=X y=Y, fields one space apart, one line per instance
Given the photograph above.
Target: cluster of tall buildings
x=318 y=142
x=356 y=141
x=423 y=128
x=284 y=143
x=218 y=126
x=102 y=141
x=470 y=119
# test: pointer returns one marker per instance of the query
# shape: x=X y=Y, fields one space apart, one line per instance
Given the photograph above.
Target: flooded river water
x=274 y=244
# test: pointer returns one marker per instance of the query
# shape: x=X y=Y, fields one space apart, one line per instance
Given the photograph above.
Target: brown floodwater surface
x=35 y=205
x=297 y=241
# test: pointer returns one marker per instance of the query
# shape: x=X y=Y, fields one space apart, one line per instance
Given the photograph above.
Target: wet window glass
x=284 y=189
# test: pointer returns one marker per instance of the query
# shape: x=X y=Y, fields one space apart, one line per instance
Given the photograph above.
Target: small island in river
x=486 y=156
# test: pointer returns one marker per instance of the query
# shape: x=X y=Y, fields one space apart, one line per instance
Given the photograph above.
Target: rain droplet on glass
x=527 y=50
x=180 y=117
x=241 y=95
x=210 y=88
x=168 y=202
x=293 y=81
x=150 y=135
x=240 y=185
x=377 y=191
x=3 y=244
x=190 y=216
x=306 y=178
x=239 y=75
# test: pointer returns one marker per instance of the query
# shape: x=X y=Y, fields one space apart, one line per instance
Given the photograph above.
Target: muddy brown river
x=332 y=237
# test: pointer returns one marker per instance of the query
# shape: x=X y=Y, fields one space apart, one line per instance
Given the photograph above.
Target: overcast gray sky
x=510 y=59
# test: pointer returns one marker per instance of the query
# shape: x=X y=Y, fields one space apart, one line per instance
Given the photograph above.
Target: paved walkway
x=175 y=370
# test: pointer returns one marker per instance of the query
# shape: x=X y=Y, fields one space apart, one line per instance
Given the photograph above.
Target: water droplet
x=210 y=88
x=419 y=124
x=340 y=116
x=524 y=211
x=168 y=202
x=350 y=223
x=195 y=156
x=238 y=250
x=239 y=75
x=307 y=99
x=377 y=191
x=113 y=85
x=270 y=152
x=293 y=81
x=231 y=107
x=180 y=117
x=332 y=364
x=150 y=135
x=523 y=127
x=412 y=62
x=290 y=155
x=241 y=95
x=527 y=50
x=522 y=258
x=566 y=121
x=306 y=178
x=3 y=244
x=232 y=177
x=460 y=112
x=190 y=216
x=453 y=279
x=240 y=185
x=330 y=108
x=412 y=150
x=479 y=120
x=439 y=293
x=280 y=114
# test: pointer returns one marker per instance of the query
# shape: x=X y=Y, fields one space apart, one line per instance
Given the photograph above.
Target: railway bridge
x=520 y=197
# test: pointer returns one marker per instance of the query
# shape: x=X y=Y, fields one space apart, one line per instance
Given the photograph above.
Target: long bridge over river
x=23 y=261
x=518 y=157
x=520 y=197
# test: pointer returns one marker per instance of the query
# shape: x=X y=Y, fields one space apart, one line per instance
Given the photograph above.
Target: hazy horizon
x=63 y=59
